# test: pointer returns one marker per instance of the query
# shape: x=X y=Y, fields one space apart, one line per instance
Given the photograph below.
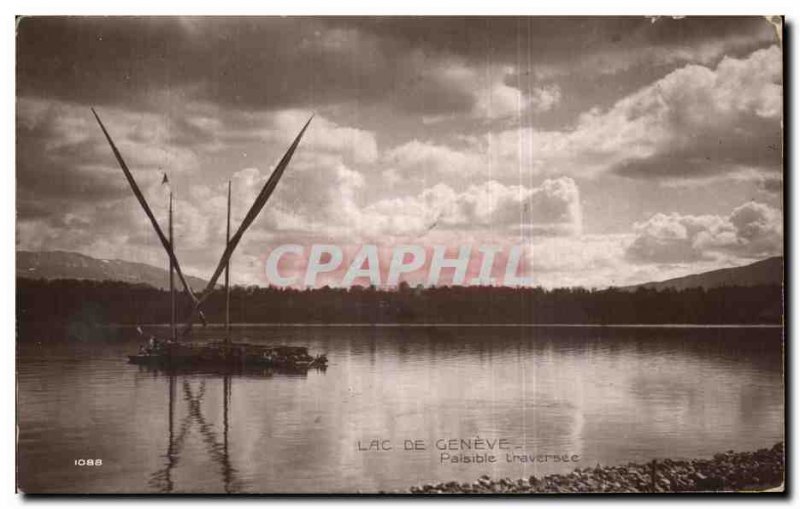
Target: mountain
x=68 y=265
x=764 y=272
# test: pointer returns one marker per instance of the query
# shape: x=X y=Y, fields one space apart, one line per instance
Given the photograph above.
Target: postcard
x=407 y=255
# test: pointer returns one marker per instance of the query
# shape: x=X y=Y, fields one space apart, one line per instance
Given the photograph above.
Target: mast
x=255 y=209
x=164 y=241
x=227 y=274
x=173 y=325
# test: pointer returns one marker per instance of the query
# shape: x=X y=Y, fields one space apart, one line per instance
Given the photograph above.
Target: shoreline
x=471 y=325
x=762 y=470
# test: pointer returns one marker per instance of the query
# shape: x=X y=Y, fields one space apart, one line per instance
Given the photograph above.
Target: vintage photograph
x=401 y=255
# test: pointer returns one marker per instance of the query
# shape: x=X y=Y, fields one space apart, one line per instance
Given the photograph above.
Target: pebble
x=728 y=471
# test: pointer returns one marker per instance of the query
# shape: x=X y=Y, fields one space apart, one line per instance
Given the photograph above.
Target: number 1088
x=88 y=462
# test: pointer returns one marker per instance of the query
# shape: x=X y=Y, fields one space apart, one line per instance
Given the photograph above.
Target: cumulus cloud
x=499 y=98
x=64 y=165
x=72 y=195
x=448 y=88
x=358 y=146
x=546 y=97
x=418 y=158
x=752 y=230
x=553 y=208
x=703 y=121
x=695 y=122
x=487 y=213
x=69 y=134
x=588 y=261
x=490 y=208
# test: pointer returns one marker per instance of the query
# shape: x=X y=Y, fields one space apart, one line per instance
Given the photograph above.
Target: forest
x=84 y=302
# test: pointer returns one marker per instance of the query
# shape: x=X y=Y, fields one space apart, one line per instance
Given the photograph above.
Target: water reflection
x=217 y=451
x=609 y=395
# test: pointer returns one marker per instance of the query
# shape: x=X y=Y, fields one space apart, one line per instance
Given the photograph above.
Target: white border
x=317 y=7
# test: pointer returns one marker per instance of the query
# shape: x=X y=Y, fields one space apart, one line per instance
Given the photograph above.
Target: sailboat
x=224 y=354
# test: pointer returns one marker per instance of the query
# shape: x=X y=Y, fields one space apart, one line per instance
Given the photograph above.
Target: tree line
x=62 y=302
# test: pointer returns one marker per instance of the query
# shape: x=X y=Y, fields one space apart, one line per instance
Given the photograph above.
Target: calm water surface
x=606 y=395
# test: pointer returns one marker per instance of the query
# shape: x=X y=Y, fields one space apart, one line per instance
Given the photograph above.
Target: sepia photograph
x=399 y=255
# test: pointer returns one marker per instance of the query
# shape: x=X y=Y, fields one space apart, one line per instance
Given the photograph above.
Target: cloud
x=555 y=45
x=344 y=211
x=418 y=158
x=553 y=208
x=426 y=129
x=698 y=121
x=599 y=261
x=487 y=213
x=241 y=63
x=261 y=64
x=752 y=230
x=693 y=123
x=71 y=195
x=497 y=98
x=245 y=63
x=546 y=97
x=446 y=87
x=771 y=185
x=64 y=163
x=324 y=137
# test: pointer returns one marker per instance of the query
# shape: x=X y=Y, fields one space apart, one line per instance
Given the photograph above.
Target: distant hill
x=69 y=265
x=764 y=272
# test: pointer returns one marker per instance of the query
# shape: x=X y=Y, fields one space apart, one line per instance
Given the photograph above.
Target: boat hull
x=229 y=357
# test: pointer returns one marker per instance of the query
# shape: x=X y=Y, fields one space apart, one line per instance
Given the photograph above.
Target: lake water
x=603 y=395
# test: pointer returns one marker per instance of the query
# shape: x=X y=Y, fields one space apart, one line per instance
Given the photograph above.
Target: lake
x=586 y=395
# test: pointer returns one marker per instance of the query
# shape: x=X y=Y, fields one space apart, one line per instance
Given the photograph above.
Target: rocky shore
x=730 y=471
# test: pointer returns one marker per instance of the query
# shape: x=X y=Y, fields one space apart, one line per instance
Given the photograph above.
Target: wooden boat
x=224 y=354
x=172 y=352
x=228 y=355
x=221 y=354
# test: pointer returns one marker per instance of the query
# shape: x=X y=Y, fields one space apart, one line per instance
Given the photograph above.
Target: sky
x=617 y=150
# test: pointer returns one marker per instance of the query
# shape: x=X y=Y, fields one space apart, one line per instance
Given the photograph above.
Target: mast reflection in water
x=216 y=449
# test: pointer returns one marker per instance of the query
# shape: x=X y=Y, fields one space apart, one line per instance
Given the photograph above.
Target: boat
x=224 y=355
x=220 y=355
